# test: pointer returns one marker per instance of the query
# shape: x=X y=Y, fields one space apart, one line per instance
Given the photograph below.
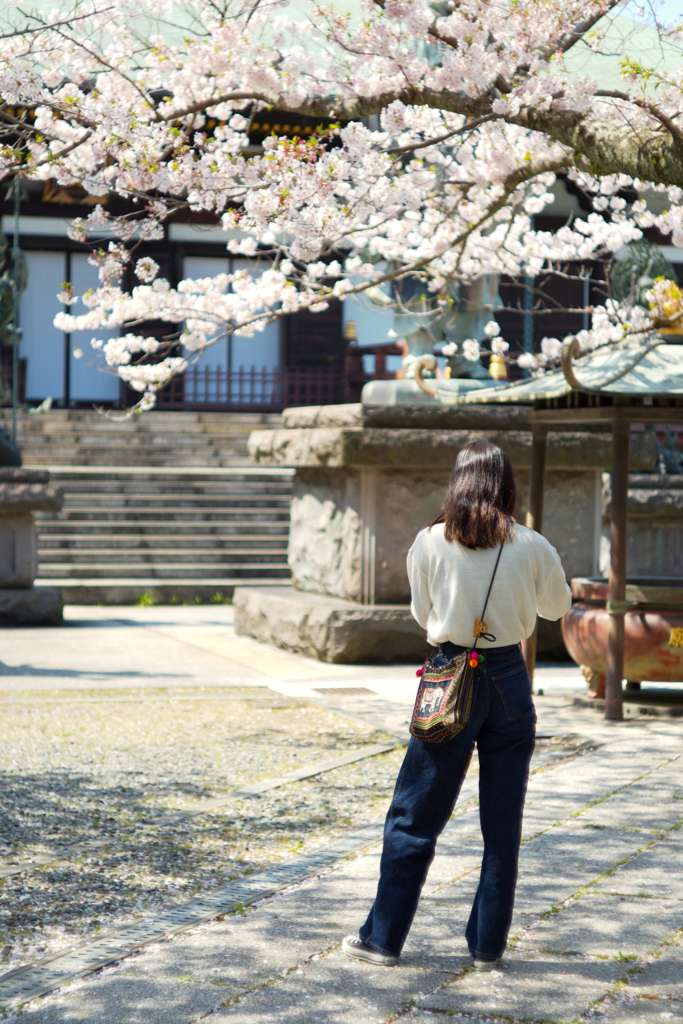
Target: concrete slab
x=533 y=988
x=655 y=872
x=644 y=1011
x=662 y=978
x=560 y=864
x=566 y=794
x=243 y=951
x=643 y=805
x=612 y=926
x=334 y=990
x=461 y=856
x=437 y=939
x=120 y=1000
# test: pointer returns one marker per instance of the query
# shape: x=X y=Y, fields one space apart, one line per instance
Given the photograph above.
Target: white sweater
x=449 y=582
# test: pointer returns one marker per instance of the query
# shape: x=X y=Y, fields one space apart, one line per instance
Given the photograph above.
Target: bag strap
x=488 y=636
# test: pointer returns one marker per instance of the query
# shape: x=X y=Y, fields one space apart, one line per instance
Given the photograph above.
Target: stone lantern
x=23 y=492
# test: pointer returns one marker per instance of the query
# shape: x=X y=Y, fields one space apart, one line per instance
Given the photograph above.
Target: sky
x=667 y=11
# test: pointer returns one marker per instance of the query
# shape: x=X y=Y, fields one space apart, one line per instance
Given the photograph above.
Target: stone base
x=327 y=628
x=32 y=606
x=343 y=632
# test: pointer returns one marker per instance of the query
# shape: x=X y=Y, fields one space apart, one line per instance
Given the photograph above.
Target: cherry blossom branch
x=639 y=101
x=470 y=126
x=608 y=146
x=48 y=26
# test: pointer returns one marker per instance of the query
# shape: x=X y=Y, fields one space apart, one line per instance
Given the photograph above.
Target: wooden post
x=534 y=519
x=616 y=596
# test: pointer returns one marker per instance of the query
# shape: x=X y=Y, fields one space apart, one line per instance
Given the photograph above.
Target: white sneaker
x=484 y=965
x=357 y=949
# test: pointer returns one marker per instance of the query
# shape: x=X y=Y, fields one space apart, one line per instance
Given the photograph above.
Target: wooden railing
x=251 y=390
x=355 y=376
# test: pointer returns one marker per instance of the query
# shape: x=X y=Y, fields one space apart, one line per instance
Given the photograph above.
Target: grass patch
x=148 y=599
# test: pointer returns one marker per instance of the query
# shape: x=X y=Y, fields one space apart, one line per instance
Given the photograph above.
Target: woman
x=450 y=566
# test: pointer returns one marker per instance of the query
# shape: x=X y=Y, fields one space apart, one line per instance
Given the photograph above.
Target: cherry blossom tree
x=445 y=126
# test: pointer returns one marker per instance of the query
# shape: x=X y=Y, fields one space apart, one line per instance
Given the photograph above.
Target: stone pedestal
x=327 y=628
x=369 y=478
x=23 y=492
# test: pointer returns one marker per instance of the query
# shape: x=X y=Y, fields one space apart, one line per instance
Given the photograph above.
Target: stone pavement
x=599 y=910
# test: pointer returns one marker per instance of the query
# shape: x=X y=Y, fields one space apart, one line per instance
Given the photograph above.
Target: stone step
x=115 y=590
x=209 y=477
x=171 y=439
x=158 y=556
x=156 y=420
x=210 y=445
x=151 y=475
x=165 y=542
x=220 y=557
x=84 y=504
x=201 y=458
x=174 y=503
x=172 y=431
x=141 y=428
x=173 y=515
x=114 y=495
x=149 y=529
x=163 y=570
x=160 y=487
x=135 y=454
x=102 y=474
x=128 y=461
x=200 y=439
x=195 y=455
x=87 y=460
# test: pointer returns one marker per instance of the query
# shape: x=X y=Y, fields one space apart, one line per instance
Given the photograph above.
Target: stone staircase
x=84 y=437
x=166 y=505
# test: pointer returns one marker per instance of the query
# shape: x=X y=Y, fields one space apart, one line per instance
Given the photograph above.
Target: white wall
x=216 y=357
x=263 y=349
x=42 y=344
x=89 y=383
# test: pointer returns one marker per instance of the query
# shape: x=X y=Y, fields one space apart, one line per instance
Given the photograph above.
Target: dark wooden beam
x=616 y=598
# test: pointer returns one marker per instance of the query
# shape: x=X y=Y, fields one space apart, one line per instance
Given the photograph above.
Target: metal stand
x=616 y=601
x=534 y=519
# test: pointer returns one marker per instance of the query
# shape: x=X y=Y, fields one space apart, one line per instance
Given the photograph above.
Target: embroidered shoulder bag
x=444 y=695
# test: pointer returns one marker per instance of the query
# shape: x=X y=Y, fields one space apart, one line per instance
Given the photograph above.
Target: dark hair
x=479 y=506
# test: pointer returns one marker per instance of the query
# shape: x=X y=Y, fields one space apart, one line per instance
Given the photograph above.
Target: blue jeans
x=503 y=725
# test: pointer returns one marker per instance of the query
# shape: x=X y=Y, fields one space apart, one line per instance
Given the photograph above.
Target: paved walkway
x=600 y=900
